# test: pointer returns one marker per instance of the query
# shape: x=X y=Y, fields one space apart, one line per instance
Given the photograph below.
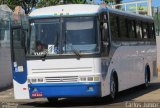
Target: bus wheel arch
x=113 y=85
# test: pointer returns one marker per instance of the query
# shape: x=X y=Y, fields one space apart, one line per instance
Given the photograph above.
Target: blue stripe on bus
x=20 y=77
x=66 y=89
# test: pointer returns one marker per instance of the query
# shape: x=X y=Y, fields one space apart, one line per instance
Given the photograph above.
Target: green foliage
x=77 y=1
x=109 y=1
x=11 y=3
x=45 y=3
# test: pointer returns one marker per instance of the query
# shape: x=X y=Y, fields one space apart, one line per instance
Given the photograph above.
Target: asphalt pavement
x=137 y=97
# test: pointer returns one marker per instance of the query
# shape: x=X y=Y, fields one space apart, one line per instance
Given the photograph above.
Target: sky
x=155 y=3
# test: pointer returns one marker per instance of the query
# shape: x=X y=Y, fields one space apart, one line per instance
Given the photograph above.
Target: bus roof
x=70 y=9
x=81 y=9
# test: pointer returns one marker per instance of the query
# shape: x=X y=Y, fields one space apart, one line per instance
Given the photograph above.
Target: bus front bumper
x=89 y=89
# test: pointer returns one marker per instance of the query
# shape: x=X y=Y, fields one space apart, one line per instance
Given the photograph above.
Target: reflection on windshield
x=44 y=36
x=81 y=34
x=78 y=33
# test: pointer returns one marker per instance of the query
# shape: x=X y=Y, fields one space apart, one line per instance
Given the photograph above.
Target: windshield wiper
x=76 y=52
x=43 y=57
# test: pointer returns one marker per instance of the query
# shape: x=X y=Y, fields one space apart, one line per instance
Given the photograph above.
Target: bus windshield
x=64 y=36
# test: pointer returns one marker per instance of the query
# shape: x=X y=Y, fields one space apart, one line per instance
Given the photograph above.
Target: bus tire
x=147 y=77
x=52 y=100
x=113 y=86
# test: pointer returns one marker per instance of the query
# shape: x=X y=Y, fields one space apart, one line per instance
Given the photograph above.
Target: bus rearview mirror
x=105 y=26
x=105 y=43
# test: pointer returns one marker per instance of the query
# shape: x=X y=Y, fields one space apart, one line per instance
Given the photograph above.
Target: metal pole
x=125 y=7
x=61 y=1
x=158 y=21
x=137 y=9
x=150 y=7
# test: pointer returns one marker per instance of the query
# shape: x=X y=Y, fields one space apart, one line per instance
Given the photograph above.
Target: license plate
x=37 y=94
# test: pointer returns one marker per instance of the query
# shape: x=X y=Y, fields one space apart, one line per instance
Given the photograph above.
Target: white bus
x=81 y=50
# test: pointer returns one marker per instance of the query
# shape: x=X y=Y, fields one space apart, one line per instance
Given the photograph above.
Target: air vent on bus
x=54 y=70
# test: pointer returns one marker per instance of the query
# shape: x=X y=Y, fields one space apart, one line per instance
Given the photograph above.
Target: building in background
x=8 y=19
x=5 y=52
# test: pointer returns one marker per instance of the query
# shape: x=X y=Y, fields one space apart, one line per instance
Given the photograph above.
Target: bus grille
x=61 y=79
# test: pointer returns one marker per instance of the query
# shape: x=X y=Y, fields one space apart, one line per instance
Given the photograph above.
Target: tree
x=77 y=1
x=11 y=3
x=44 y=3
x=27 y=5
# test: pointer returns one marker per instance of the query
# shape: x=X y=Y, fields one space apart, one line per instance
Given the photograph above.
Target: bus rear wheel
x=113 y=88
x=146 y=80
x=52 y=100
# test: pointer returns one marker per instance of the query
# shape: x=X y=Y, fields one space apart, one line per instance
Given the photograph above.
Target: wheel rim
x=113 y=88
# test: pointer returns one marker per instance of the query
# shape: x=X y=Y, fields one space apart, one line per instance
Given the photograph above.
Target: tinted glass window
x=131 y=29
x=114 y=26
x=138 y=29
x=123 y=28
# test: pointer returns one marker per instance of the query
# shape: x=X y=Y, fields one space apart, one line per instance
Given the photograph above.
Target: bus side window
x=138 y=30
x=104 y=27
x=123 y=28
x=131 y=29
x=114 y=26
x=144 y=31
x=104 y=33
x=151 y=31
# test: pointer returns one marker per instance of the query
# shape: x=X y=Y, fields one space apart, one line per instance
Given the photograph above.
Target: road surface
x=137 y=97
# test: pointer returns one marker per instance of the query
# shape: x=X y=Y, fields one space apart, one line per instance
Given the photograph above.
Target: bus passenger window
x=114 y=26
x=131 y=29
x=139 y=30
x=123 y=28
x=145 y=31
x=151 y=31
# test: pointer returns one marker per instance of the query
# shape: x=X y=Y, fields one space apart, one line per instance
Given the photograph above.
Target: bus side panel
x=129 y=63
x=102 y=65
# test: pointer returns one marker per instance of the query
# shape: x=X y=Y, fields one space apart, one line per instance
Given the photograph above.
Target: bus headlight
x=35 y=80
x=90 y=78
x=83 y=79
x=40 y=80
x=96 y=78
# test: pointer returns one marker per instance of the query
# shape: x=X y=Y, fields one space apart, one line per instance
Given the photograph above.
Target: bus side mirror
x=105 y=44
x=105 y=26
x=105 y=48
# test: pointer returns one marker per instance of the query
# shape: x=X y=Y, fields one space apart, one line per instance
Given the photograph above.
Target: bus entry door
x=19 y=67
